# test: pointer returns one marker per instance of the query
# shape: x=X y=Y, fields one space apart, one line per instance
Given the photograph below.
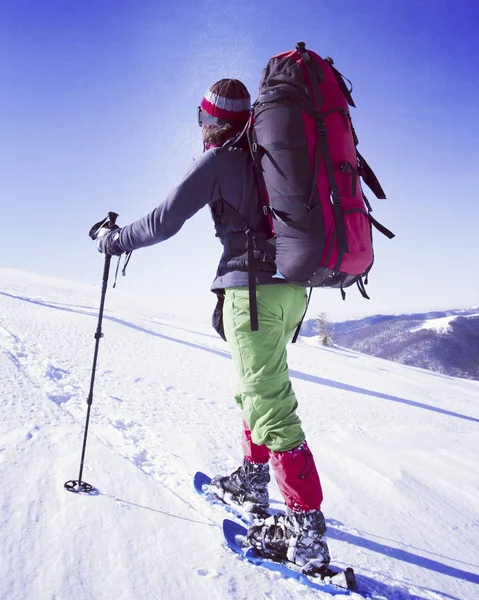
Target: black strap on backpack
x=298 y=328
x=243 y=224
x=253 y=305
x=369 y=177
x=341 y=81
x=315 y=72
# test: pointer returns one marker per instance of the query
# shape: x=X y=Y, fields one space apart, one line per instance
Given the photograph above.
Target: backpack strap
x=360 y=283
x=384 y=230
x=322 y=150
x=236 y=139
x=341 y=81
x=253 y=305
x=315 y=72
x=369 y=177
x=316 y=76
x=242 y=223
x=298 y=328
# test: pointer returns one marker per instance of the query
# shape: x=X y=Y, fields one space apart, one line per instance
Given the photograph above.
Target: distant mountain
x=446 y=342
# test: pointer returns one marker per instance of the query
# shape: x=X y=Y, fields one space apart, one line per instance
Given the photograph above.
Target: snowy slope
x=442 y=324
x=396 y=448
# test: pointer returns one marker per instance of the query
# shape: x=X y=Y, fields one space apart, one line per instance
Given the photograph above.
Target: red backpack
x=303 y=144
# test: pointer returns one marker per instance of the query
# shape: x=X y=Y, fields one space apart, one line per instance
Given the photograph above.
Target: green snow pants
x=265 y=394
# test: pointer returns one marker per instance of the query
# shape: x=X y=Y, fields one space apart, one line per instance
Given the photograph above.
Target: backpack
x=309 y=172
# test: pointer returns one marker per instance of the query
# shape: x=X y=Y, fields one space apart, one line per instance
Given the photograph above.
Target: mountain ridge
x=446 y=341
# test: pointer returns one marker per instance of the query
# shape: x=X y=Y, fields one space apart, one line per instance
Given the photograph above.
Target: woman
x=224 y=179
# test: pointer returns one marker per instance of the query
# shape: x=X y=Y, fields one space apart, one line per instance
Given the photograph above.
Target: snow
x=442 y=324
x=396 y=448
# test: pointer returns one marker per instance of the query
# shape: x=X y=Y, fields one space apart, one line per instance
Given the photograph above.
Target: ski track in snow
x=396 y=449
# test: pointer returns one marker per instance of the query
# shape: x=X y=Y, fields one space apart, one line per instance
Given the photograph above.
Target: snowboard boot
x=247 y=487
x=297 y=537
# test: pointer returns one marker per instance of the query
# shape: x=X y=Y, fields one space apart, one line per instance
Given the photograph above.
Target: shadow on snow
x=294 y=373
x=403 y=555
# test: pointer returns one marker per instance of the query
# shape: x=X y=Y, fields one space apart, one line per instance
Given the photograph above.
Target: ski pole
x=78 y=485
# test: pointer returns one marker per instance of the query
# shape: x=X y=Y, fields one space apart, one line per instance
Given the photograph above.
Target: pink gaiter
x=297 y=477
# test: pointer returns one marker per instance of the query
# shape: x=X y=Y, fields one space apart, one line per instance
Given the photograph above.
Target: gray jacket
x=224 y=179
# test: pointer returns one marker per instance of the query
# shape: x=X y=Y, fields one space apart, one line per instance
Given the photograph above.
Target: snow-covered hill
x=396 y=448
x=446 y=342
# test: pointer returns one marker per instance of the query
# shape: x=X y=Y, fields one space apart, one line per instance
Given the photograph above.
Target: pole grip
x=113 y=216
x=109 y=222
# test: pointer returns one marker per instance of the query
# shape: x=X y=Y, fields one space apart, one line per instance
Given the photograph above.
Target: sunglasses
x=206 y=119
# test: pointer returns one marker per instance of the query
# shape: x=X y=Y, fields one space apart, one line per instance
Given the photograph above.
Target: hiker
x=224 y=179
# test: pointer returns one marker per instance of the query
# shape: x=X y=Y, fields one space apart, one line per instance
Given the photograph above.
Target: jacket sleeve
x=197 y=189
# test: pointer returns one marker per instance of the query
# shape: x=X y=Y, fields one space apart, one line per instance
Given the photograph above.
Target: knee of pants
x=273 y=421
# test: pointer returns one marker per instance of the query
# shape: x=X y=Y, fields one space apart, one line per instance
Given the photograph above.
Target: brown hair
x=216 y=135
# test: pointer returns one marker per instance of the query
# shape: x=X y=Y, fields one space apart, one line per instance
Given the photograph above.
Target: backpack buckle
x=321 y=127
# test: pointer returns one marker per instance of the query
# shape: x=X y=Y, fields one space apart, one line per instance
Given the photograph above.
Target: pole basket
x=80 y=487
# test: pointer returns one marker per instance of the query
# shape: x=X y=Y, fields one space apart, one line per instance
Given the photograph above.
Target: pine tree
x=322 y=328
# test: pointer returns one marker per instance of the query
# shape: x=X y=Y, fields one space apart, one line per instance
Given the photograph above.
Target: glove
x=108 y=240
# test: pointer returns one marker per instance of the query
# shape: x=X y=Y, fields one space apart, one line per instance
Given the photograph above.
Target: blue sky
x=98 y=113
